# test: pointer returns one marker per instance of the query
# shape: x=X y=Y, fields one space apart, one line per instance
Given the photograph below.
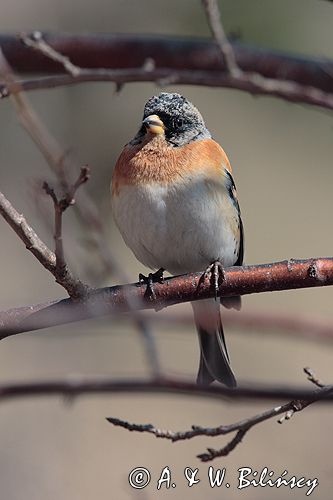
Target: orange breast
x=156 y=161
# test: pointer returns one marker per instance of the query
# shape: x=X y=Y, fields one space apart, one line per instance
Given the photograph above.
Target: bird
x=174 y=201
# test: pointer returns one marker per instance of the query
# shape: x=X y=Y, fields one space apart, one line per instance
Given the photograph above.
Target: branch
x=286 y=275
x=36 y=41
x=75 y=288
x=241 y=428
x=121 y=58
x=78 y=386
x=25 y=232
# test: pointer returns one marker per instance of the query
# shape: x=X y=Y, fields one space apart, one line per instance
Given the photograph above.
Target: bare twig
x=36 y=41
x=241 y=427
x=298 y=405
x=286 y=275
x=313 y=378
x=60 y=205
x=285 y=89
x=25 y=232
x=214 y=18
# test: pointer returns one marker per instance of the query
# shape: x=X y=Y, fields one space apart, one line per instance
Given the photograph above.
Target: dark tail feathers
x=214 y=359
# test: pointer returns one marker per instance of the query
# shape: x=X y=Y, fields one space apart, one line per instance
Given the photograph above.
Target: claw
x=215 y=273
x=149 y=281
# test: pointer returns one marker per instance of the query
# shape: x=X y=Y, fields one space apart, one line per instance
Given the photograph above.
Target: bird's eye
x=179 y=122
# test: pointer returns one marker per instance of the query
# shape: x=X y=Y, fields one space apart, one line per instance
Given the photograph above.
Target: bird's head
x=173 y=117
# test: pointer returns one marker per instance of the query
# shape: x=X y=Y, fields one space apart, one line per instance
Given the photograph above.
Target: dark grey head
x=175 y=117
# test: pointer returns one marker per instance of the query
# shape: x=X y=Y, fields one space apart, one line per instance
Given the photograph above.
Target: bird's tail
x=214 y=358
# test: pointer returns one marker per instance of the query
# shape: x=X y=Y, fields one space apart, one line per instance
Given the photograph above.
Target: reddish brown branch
x=286 y=275
x=124 y=51
x=121 y=58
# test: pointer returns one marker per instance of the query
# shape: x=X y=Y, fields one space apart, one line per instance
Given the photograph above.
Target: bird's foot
x=149 y=281
x=215 y=273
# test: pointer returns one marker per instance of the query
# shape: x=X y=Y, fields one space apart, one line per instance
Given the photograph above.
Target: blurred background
x=282 y=159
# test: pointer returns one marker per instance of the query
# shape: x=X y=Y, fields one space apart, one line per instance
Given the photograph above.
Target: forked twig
x=60 y=205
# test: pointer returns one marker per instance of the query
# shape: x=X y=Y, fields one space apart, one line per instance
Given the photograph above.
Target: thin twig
x=241 y=427
x=284 y=89
x=36 y=41
x=214 y=18
x=313 y=378
x=26 y=233
x=60 y=205
x=299 y=405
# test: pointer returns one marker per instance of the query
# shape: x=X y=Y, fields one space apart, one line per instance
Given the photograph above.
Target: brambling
x=174 y=202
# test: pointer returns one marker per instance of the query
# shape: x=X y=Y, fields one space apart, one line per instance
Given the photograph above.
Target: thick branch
x=175 y=60
x=286 y=275
x=112 y=51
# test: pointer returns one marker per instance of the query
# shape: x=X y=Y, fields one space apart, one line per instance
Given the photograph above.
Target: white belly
x=181 y=229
